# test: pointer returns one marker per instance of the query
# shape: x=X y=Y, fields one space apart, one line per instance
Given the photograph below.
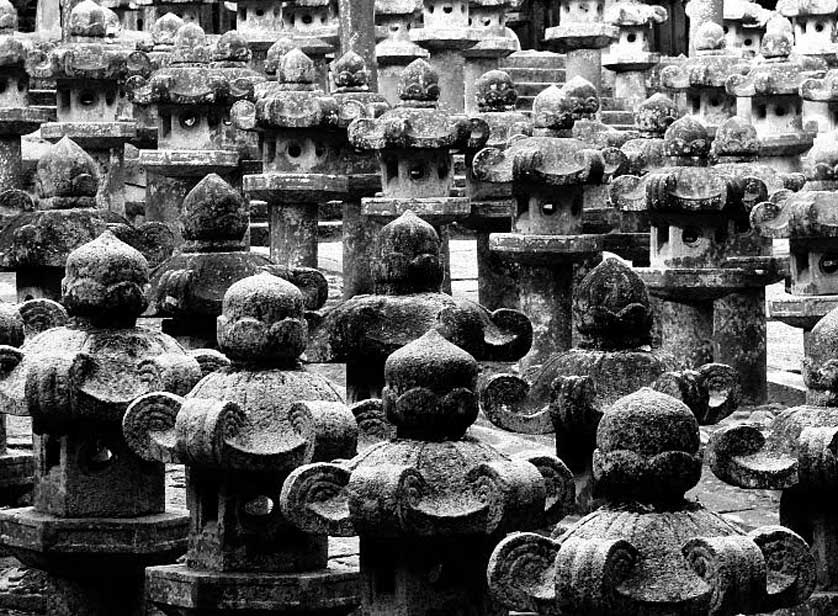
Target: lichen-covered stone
x=744 y=24
x=365 y=330
x=648 y=549
x=431 y=495
x=795 y=455
x=188 y=288
x=651 y=119
x=240 y=432
x=76 y=382
x=570 y=392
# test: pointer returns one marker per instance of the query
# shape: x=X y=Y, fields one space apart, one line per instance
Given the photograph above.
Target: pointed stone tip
x=419 y=82
x=189 y=35
x=104 y=277
x=710 y=37
x=66 y=170
x=656 y=114
x=736 y=137
x=296 y=67
x=778 y=39
x=87 y=18
x=431 y=361
x=495 y=91
x=8 y=16
x=686 y=137
x=350 y=71
x=214 y=211
x=275 y=53
x=164 y=30
x=232 y=46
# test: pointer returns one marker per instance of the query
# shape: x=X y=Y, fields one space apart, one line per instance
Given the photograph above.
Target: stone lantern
x=17 y=118
x=582 y=34
x=769 y=97
x=808 y=220
x=396 y=51
x=355 y=99
x=198 y=12
x=76 y=382
x=814 y=23
x=446 y=33
x=191 y=102
x=306 y=158
x=492 y=204
x=187 y=289
x=16 y=322
x=702 y=77
x=795 y=455
x=430 y=503
x=709 y=269
x=415 y=142
x=744 y=24
x=312 y=26
x=260 y=23
x=631 y=55
x=820 y=103
x=488 y=19
x=240 y=432
x=652 y=117
x=648 y=549
x=549 y=173
x=129 y=14
x=570 y=392
x=736 y=151
x=91 y=74
x=362 y=331
x=38 y=236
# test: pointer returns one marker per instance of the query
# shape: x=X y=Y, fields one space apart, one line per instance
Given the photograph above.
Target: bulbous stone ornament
x=76 y=382
x=240 y=432
x=649 y=549
x=432 y=497
x=570 y=392
x=708 y=266
x=796 y=455
x=651 y=120
x=364 y=330
x=91 y=72
x=187 y=289
x=39 y=235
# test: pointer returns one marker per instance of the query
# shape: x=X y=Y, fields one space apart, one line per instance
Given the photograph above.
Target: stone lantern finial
x=778 y=39
x=231 y=47
x=276 y=53
x=262 y=320
x=634 y=438
x=495 y=91
x=559 y=108
x=711 y=37
x=66 y=176
x=164 y=30
x=419 y=83
x=611 y=307
x=656 y=114
x=8 y=17
x=214 y=212
x=191 y=46
x=736 y=137
x=408 y=258
x=105 y=279
x=687 y=138
x=351 y=73
x=296 y=69
x=443 y=376
x=88 y=19
x=649 y=549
